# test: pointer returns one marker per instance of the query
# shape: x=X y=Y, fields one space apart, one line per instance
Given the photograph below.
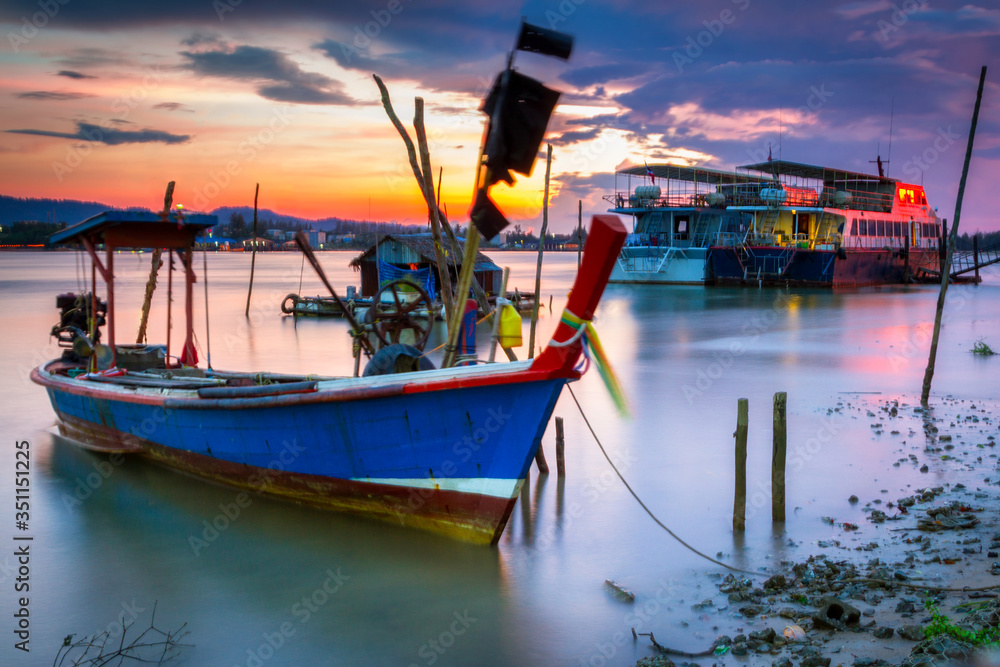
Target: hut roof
x=421 y=245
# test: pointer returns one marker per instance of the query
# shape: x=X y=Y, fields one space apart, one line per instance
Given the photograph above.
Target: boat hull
x=771 y=265
x=450 y=460
x=658 y=265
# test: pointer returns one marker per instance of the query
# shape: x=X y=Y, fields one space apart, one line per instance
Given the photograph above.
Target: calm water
x=684 y=354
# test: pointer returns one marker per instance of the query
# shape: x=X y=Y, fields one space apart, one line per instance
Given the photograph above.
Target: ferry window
x=880 y=228
x=854 y=227
x=862 y=227
x=897 y=229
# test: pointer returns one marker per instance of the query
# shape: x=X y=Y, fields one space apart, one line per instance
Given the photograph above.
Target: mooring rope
x=643 y=505
x=853 y=580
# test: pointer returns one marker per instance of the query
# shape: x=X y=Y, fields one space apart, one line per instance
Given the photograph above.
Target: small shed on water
x=412 y=252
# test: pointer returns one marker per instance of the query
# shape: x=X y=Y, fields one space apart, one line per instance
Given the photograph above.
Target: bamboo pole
x=975 y=254
x=253 y=253
x=778 y=451
x=464 y=281
x=426 y=182
x=579 y=233
x=496 y=315
x=946 y=270
x=740 y=497
x=541 y=250
x=155 y=264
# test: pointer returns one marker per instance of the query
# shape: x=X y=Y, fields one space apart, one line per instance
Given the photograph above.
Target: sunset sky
x=109 y=100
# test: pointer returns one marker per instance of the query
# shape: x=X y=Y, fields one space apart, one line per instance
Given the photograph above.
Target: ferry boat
x=678 y=213
x=820 y=226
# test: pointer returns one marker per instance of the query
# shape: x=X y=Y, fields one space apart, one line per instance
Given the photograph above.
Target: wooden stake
x=543 y=466
x=906 y=258
x=541 y=250
x=157 y=262
x=579 y=233
x=740 y=497
x=946 y=270
x=975 y=254
x=780 y=446
x=560 y=448
x=253 y=253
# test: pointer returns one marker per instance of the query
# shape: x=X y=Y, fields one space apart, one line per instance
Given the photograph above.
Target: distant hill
x=22 y=209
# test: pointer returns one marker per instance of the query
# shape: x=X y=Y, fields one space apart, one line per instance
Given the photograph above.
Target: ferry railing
x=860 y=201
x=631 y=201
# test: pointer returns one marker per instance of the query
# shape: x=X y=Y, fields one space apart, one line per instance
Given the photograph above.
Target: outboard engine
x=74 y=324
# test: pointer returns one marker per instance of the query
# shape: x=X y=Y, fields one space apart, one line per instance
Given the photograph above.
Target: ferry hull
x=448 y=461
x=857 y=267
x=667 y=266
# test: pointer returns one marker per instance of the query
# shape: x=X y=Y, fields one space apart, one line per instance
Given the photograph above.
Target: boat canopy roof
x=682 y=173
x=137 y=229
x=407 y=248
x=828 y=175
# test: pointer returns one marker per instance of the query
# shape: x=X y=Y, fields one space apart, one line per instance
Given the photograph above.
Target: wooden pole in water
x=906 y=258
x=975 y=254
x=579 y=233
x=560 y=448
x=780 y=446
x=740 y=497
x=253 y=253
x=946 y=270
x=543 y=466
x=541 y=250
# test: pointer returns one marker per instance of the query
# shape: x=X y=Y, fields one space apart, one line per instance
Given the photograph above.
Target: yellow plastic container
x=510 y=327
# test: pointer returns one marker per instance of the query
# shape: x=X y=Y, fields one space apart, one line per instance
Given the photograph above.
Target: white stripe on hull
x=499 y=488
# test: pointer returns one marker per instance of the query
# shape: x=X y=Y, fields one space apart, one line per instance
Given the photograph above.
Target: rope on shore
x=643 y=505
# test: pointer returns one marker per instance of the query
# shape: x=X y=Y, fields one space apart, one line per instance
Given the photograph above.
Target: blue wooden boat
x=445 y=450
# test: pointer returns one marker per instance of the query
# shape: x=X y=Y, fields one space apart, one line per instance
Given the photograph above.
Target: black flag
x=485 y=215
x=519 y=108
x=544 y=41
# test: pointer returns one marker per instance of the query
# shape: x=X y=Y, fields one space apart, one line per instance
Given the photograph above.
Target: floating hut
x=393 y=256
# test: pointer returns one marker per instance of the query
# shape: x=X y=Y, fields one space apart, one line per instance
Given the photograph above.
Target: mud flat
x=918 y=558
